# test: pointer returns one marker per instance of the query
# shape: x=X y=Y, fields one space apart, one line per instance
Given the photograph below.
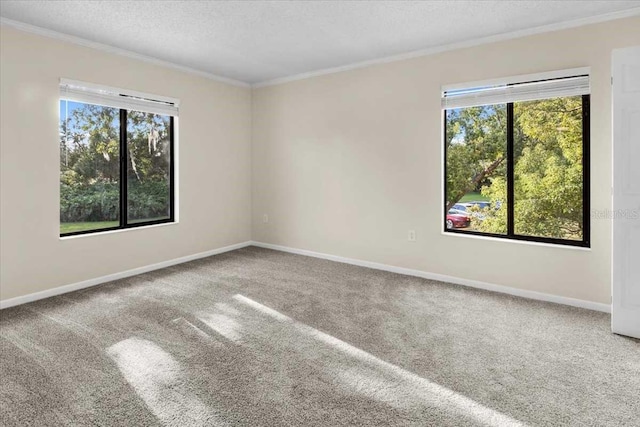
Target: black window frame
x=586 y=185
x=124 y=163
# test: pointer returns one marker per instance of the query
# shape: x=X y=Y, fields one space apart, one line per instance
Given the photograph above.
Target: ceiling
x=258 y=41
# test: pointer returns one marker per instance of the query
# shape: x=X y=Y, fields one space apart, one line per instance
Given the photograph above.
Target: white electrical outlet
x=265 y=218
x=412 y=235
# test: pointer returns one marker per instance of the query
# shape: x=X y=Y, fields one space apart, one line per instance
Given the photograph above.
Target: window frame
x=511 y=235
x=123 y=194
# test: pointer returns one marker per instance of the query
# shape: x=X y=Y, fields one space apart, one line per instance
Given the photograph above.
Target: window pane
x=548 y=168
x=148 y=169
x=476 y=168
x=89 y=167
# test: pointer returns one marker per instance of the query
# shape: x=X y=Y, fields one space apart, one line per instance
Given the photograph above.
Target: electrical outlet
x=265 y=218
x=412 y=235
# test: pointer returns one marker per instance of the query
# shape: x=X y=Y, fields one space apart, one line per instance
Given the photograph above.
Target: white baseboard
x=443 y=278
x=11 y=302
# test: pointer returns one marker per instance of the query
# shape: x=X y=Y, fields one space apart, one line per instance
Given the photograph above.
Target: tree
x=548 y=179
x=148 y=144
x=90 y=164
x=548 y=168
x=90 y=137
x=476 y=148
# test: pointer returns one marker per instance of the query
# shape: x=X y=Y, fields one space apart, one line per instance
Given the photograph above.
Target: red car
x=457 y=219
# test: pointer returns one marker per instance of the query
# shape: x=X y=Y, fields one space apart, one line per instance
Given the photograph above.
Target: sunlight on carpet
x=395 y=386
x=158 y=379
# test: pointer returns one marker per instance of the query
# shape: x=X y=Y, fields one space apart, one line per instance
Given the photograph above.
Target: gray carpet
x=262 y=338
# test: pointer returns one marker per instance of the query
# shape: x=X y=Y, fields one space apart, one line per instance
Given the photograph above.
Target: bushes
x=98 y=202
x=101 y=201
x=148 y=200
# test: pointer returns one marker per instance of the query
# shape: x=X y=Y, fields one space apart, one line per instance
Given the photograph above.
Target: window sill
x=102 y=233
x=518 y=242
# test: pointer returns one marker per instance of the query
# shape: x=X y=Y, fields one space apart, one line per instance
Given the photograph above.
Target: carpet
x=257 y=337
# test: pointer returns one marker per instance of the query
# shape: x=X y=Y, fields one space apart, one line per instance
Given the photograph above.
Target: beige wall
x=343 y=164
x=214 y=166
x=347 y=163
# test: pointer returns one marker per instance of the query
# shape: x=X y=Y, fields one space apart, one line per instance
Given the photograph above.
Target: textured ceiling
x=255 y=41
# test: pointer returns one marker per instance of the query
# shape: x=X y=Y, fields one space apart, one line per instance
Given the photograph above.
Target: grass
x=72 y=227
x=474 y=197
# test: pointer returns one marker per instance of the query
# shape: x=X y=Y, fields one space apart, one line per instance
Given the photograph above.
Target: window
x=517 y=159
x=116 y=159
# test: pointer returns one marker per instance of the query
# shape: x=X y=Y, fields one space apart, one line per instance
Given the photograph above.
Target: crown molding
x=115 y=50
x=627 y=13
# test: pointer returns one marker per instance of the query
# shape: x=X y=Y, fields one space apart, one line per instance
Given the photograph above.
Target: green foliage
x=476 y=148
x=495 y=216
x=101 y=202
x=548 y=166
x=148 y=200
x=548 y=169
x=98 y=202
x=89 y=144
x=146 y=161
x=90 y=165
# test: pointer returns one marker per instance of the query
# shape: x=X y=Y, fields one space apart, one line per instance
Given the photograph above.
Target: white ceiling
x=258 y=41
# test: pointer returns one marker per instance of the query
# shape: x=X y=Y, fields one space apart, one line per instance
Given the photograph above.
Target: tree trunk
x=134 y=166
x=482 y=175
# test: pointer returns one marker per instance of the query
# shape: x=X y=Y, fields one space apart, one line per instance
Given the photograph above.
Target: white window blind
x=514 y=92
x=117 y=98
